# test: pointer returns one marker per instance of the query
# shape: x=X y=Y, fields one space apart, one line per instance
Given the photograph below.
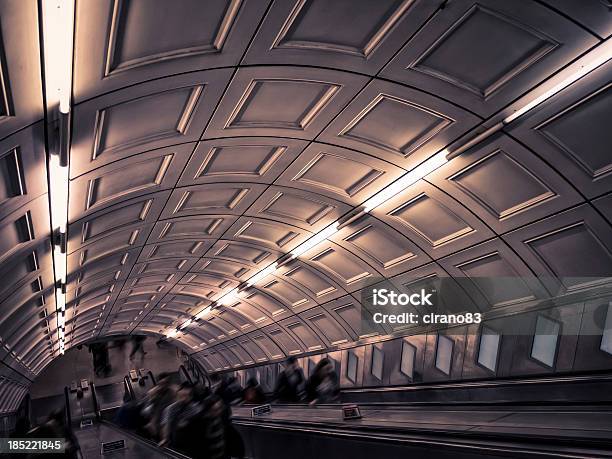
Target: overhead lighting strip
x=58 y=37
x=587 y=64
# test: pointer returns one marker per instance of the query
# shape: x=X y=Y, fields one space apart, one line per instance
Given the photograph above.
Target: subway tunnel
x=400 y=209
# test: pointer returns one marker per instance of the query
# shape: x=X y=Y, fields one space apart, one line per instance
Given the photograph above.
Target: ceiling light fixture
x=227 y=298
x=315 y=240
x=261 y=274
x=58 y=190
x=592 y=60
x=58 y=40
x=171 y=333
x=58 y=31
x=411 y=177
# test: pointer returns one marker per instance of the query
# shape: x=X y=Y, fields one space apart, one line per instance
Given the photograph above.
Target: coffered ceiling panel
x=387 y=250
x=481 y=55
x=198 y=295
x=115 y=242
x=266 y=301
x=316 y=284
x=339 y=173
x=306 y=210
x=245 y=159
x=282 y=101
x=572 y=132
x=194 y=248
x=121 y=180
x=432 y=219
x=26 y=273
x=505 y=184
x=152 y=280
x=306 y=335
x=231 y=269
x=269 y=233
x=245 y=253
x=208 y=281
x=351 y=312
x=327 y=326
x=24 y=305
x=286 y=293
x=123 y=42
x=452 y=296
x=253 y=349
x=213 y=198
x=22 y=168
x=569 y=251
x=117 y=263
x=286 y=340
x=20 y=77
x=23 y=227
x=132 y=214
x=398 y=124
x=321 y=33
x=164 y=266
x=208 y=226
x=497 y=274
x=116 y=125
x=339 y=264
x=254 y=314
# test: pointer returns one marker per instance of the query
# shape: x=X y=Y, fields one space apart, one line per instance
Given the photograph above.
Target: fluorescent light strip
x=406 y=180
x=261 y=274
x=598 y=57
x=172 y=334
x=58 y=182
x=60 y=300
x=314 y=240
x=229 y=297
x=58 y=31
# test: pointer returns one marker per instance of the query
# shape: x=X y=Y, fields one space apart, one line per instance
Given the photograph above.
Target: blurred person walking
x=289 y=386
x=323 y=387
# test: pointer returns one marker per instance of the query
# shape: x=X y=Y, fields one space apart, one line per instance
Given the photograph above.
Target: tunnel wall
x=514 y=345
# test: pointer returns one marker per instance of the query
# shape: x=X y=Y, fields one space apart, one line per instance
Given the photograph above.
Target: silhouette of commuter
x=323 y=387
x=137 y=346
x=290 y=381
x=253 y=392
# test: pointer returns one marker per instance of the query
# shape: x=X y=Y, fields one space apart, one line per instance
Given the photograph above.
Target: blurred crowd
x=196 y=420
x=193 y=420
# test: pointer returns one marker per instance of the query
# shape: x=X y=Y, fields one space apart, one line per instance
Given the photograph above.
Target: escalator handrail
x=150 y=373
x=201 y=372
x=67 y=413
x=128 y=383
x=94 y=395
x=168 y=451
x=454 y=439
x=186 y=373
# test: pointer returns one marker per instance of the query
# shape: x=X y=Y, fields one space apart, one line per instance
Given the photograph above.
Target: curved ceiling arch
x=210 y=141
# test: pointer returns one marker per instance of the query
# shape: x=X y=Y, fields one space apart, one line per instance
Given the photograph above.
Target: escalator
x=570 y=417
x=450 y=431
x=98 y=437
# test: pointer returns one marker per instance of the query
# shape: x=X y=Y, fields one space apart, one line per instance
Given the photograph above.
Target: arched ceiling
x=211 y=138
